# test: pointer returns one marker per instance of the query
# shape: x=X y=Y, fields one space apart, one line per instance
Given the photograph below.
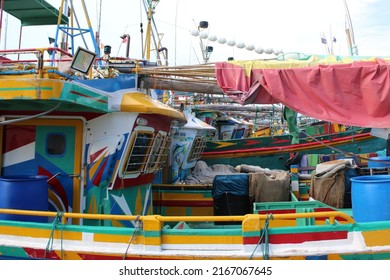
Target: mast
x=151 y=33
x=1 y=16
x=353 y=50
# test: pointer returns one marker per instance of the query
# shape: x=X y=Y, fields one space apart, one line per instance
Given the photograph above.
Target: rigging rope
x=137 y=228
x=49 y=246
x=264 y=239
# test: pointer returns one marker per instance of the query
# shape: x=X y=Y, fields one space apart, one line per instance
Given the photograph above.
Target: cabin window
x=159 y=153
x=55 y=144
x=139 y=152
x=197 y=149
x=148 y=153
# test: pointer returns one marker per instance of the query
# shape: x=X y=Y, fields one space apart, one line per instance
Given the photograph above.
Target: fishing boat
x=284 y=139
x=278 y=151
x=78 y=160
x=116 y=214
x=187 y=145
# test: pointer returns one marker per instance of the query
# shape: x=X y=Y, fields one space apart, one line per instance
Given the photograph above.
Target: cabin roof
x=33 y=12
x=142 y=103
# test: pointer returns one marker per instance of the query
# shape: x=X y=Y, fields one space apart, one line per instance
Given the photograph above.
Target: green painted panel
x=13 y=251
x=83 y=96
x=66 y=161
x=372 y=256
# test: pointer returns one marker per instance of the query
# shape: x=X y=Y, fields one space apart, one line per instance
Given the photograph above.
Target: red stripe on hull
x=41 y=254
x=140 y=180
x=183 y=203
x=87 y=96
x=296 y=238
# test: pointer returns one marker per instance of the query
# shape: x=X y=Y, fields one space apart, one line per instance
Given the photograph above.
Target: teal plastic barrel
x=24 y=192
x=371 y=198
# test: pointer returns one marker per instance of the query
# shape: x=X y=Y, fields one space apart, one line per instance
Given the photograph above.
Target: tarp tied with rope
x=339 y=90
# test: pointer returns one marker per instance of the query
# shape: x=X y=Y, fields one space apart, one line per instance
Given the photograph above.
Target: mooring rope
x=137 y=228
x=264 y=239
x=49 y=246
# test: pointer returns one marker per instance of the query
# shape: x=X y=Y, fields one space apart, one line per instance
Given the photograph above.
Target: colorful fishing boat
x=277 y=151
x=89 y=164
x=186 y=148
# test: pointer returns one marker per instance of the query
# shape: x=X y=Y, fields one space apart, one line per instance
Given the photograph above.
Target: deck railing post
x=152 y=227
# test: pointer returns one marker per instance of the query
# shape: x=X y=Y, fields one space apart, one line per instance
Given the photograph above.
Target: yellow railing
x=331 y=215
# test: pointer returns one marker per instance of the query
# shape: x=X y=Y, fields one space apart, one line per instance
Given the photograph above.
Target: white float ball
x=250 y=47
x=213 y=38
x=195 y=32
x=277 y=52
x=203 y=35
x=240 y=45
x=259 y=50
x=221 y=40
x=269 y=51
x=231 y=43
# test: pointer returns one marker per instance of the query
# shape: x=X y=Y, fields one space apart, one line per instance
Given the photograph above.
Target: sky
x=278 y=25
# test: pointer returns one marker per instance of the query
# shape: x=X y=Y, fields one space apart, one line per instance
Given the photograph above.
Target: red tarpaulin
x=336 y=90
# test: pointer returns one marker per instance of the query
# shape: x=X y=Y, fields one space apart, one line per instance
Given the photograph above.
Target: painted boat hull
x=287 y=239
x=273 y=152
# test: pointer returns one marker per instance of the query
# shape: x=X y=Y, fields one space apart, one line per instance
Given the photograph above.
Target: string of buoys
x=232 y=43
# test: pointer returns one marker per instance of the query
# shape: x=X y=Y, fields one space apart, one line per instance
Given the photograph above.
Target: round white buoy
x=213 y=38
x=194 y=32
x=250 y=47
x=240 y=45
x=278 y=51
x=222 y=40
x=231 y=43
x=203 y=35
x=259 y=50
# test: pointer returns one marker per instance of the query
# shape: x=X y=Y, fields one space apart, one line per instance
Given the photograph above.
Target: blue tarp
x=237 y=184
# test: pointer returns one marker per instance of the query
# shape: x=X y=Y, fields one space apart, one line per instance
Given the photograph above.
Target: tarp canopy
x=352 y=91
x=33 y=12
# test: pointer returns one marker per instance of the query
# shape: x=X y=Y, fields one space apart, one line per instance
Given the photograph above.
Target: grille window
x=148 y=153
x=139 y=152
x=197 y=149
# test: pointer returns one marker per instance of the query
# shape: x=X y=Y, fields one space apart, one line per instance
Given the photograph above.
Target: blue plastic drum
x=24 y=193
x=379 y=162
x=371 y=198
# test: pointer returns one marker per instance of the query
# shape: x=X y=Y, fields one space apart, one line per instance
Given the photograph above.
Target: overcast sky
x=289 y=26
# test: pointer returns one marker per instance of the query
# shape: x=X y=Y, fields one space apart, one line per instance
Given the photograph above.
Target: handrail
x=328 y=214
x=32 y=50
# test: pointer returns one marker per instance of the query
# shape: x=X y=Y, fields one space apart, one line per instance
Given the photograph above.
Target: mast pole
x=349 y=32
x=1 y=16
x=148 y=31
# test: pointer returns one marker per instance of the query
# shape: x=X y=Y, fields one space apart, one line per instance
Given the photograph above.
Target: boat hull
x=325 y=239
x=273 y=152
